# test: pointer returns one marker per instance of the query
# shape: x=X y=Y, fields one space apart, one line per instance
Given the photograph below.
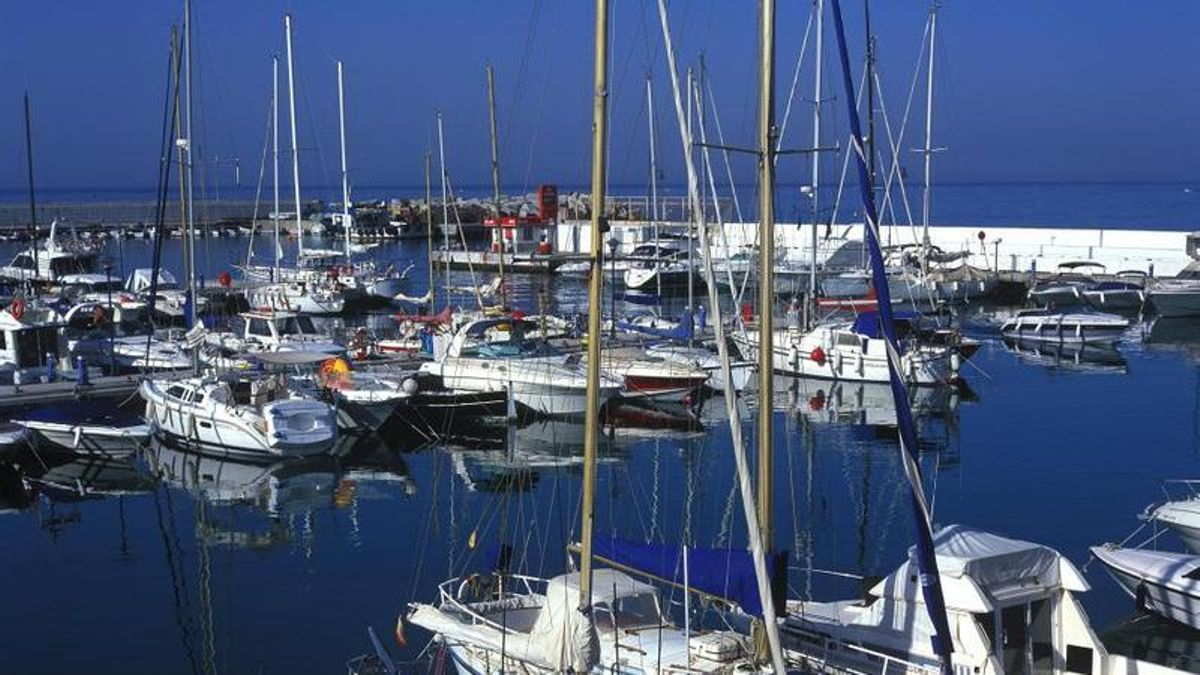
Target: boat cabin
x=29 y=343
x=52 y=259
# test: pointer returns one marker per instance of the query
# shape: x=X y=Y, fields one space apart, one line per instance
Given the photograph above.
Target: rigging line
x=712 y=101
x=463 y=239
x=262 y=172
x=851 y=147
x=787 y=109
x=522 y=67
x=541 y=105
x=177 y=594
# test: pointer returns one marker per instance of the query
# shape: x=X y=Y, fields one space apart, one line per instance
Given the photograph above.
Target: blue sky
x=1026 y=90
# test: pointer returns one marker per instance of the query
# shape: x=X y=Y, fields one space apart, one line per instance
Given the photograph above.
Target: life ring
x=17 y=308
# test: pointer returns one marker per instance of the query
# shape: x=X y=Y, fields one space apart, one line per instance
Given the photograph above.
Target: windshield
x=297 y=325
x=631 y=612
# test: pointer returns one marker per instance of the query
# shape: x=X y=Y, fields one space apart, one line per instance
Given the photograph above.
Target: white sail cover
x=564 y=636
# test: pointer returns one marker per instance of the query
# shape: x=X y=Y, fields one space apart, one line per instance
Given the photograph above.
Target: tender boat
x=1165 y=583
x=857 y=351
x=493 y=355
x=995 y=589
x=87 y=428
x=247 y=417
x=1046 y=325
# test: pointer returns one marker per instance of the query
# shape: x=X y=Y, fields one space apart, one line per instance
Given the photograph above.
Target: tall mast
x=445 y=208
x=653 y=180
x=429 y=225
x=595 y=297
x=928 y=151
x=32 y=199
x=870 y=92
x=766 y=263
x=345 y=174
x=291 y=64
x=815 y=185
x=188 y=146
x=754 y=534
x=499 y=235
x=691 y=150
x=275 y=152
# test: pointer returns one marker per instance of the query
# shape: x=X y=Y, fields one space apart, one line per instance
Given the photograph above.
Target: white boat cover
x=979 y=568
x=300 y=357
x=140 y=279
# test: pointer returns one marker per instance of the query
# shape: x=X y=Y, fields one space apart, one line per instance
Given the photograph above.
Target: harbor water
x=174 y=562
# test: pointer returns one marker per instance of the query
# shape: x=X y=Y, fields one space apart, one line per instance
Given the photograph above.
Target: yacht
x=269 y=331
x=1177 y=297
x=856 y=350
x=1048 y=325
x=1067 y=287
x=303 y=297
x=245 y=417
x=102 y=288
x=1162 y=582
x=1181 y=513
x=672 y=269
x=1012 y=607
x=1124 y=294
x=494 y=355
x=90 y=332
x=48 y=261
x=29 y=342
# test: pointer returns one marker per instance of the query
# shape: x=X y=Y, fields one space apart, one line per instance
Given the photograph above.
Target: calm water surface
x=176 y=564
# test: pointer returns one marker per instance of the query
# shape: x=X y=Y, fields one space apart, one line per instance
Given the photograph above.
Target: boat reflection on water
x=521 y=453
x=821 y=401
x=1175 y=333
x=91 y=477
x=1147 y=637
x=1073 y=357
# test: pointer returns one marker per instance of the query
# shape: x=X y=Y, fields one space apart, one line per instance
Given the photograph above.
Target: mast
x=595 y=297
x=754 y=533
x=291 y=64
x=870 y=92
x=429 y=227
x=445 y=208
x=815 y=185
x=345 y=174
x=187 y=147
x=766 y=263
x=275 y=152
x=928 y=151
x=691 y=285
x=32 y=199
x=653 y=180
x=929 y=577
x=499 y=236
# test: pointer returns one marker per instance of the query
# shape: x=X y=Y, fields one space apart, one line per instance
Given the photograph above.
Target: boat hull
x=112 y=443
x=1176 y=303
x=1151 y=594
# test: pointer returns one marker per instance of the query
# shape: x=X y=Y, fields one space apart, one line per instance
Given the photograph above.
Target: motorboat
x=170 y=299
x=1176 y=297
x=647 y=376
x=1127 y=293
x=1162 y=582
x=704 y=359
x=86 y=428
x=29 y=348
x=253 y=417
x=49 y=260
x=493 y=355
x=1011 y=605
x=1181 y=513
x=856 y=350
x=534 y=626
x=1048 y=325
x=1067 y=287
x=357 y=280
x=270 y=331
x=303 y=297
x=91 y=333
x=104 y=289
x=821 y=401
x=671 y=266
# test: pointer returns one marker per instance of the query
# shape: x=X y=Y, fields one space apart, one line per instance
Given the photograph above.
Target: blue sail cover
x=723 y=572
x=682 y=332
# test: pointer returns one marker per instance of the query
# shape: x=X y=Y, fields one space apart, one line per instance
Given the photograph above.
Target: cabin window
x=1022 y=637
x=848 y=340
x=177 y=391
x=298 y=325
x=79 y=265
x=259 y=327
x=1194 y=574
x=628 y=612
x=199 y=398
x=33 y=346
x=23 y=261
x=3 y=340
x=1079 y=660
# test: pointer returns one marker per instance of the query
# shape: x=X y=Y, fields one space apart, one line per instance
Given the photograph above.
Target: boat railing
x=452 y=591
x=832 y=657
x=1177 y=489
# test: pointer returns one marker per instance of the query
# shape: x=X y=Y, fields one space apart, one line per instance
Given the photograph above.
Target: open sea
x=176 y=564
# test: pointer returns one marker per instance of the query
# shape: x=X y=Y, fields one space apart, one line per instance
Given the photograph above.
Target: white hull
x=290 y=299
x=91 y=441
x=1163 y=590
x=1065 y=328
x=811 y=355
x=1176 y=302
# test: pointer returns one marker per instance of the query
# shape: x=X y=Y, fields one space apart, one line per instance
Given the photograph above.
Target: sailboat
x=590 y=619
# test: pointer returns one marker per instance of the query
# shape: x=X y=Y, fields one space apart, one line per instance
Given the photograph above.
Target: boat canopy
x=682 y=332
x=140 y=280
x=724 y=573
x=982 y=571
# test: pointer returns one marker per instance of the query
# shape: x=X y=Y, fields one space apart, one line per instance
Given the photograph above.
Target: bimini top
x=607 y=585
x=868 y=323
x=980 y=570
